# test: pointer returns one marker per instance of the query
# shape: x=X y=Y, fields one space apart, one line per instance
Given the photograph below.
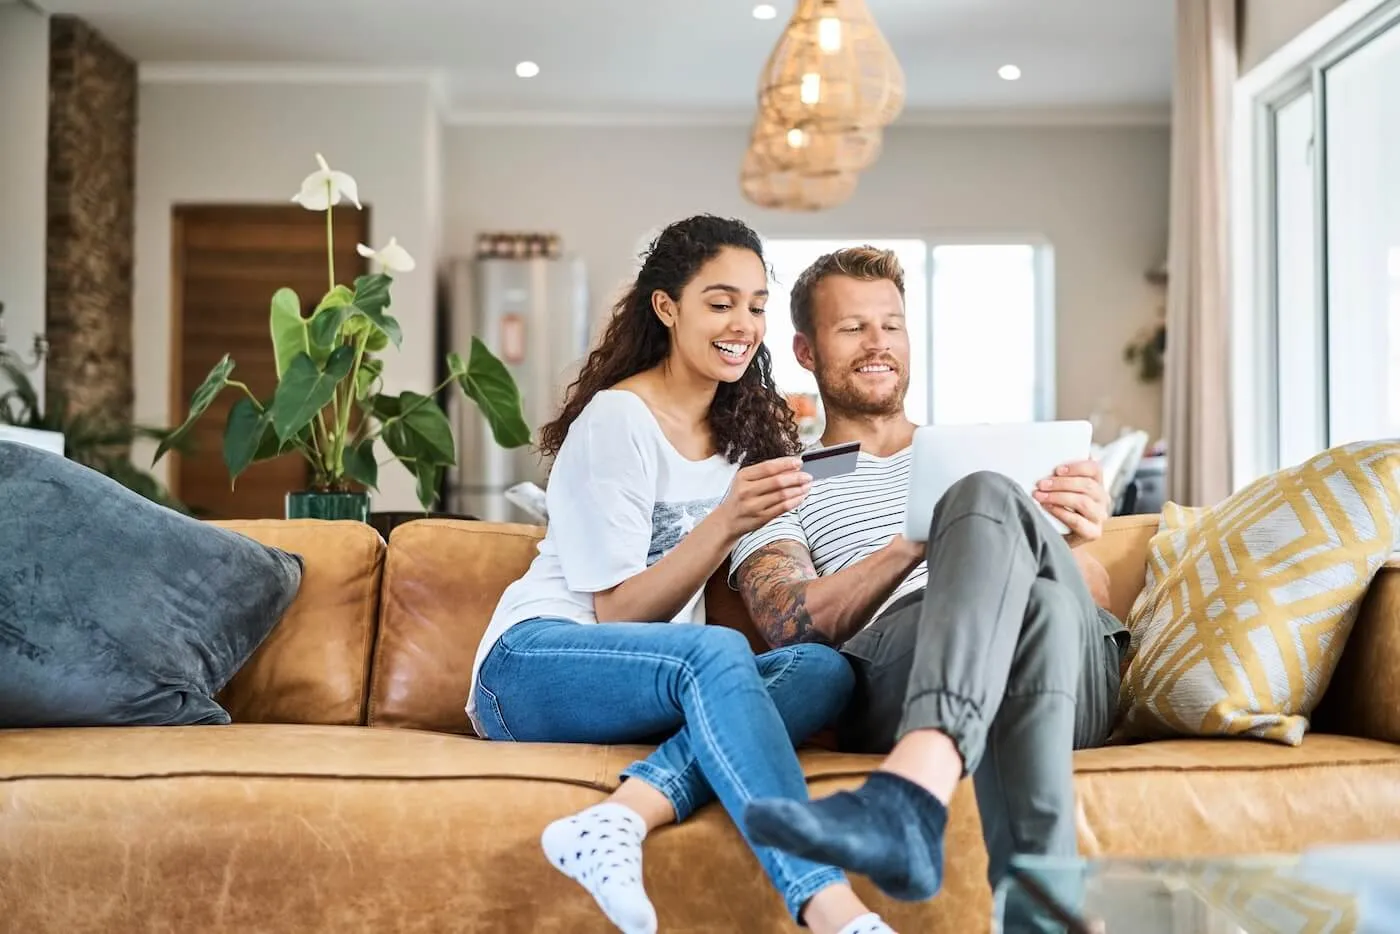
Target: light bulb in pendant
x=830 y=70
x=796 y=139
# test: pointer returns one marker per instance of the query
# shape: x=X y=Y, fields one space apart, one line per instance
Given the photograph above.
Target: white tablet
x=1025 y=452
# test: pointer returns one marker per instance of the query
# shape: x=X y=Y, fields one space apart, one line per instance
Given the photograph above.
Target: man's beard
x=840 y=394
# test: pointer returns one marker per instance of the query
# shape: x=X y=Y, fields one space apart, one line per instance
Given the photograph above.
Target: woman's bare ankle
x=832 y=909
x=651 y=806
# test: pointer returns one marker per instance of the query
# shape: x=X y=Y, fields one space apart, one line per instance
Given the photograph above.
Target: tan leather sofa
x=348 y=797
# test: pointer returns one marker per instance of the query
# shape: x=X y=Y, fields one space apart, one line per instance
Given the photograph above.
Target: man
x=984 y=652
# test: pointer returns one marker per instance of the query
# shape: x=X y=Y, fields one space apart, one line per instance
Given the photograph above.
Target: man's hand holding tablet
x=1074 y=494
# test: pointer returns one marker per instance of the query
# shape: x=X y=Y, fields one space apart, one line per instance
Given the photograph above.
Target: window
x=1300 y=337
x=989 y=335
x=1317 y=327
x=1362 y=179
x=981 y=344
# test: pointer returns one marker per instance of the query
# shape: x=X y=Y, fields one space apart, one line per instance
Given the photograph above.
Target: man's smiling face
x=859 y=347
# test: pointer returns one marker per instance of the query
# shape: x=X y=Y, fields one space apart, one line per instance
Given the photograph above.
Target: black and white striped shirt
x=844 y=520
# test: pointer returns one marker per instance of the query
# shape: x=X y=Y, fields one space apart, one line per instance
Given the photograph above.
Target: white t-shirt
x=845 y=519
x=619 y=497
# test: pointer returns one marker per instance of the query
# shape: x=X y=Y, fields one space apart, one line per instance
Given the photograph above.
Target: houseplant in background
x=330 y=405
x=101 y=444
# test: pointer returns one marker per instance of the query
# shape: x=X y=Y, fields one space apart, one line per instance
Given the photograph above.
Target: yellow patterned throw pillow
x=1248 y=604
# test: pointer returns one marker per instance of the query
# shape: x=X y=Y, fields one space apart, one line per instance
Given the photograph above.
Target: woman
x=646 y=498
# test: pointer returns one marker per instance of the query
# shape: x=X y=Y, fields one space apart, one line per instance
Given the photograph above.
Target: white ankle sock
x=601 y=849
x=867 y=924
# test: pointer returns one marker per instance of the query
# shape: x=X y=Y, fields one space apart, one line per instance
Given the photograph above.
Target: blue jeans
x=732 y=718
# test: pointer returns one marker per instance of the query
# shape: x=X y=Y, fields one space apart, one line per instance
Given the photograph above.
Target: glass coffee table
x=1329 y=890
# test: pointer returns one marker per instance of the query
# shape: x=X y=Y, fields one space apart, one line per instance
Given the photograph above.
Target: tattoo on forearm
x=773 y=583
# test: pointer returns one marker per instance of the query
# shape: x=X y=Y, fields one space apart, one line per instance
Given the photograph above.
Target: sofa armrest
x=1363 y=698
x=1123 y=552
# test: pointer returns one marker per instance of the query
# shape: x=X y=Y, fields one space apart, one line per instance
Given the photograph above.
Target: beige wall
x=24 y=140
x=1265 y=26
x=254 y=143
x=1099 y=195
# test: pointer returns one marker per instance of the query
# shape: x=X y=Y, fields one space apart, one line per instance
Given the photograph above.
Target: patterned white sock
x=867 y=924
x=601 y=849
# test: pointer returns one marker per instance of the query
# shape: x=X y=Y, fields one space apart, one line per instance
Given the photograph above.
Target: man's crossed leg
x=999 y=669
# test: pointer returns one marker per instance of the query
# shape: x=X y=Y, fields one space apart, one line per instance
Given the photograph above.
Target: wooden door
x=227 y=262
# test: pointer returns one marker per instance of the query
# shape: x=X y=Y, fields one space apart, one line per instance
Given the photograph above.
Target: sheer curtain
x=1197 y=370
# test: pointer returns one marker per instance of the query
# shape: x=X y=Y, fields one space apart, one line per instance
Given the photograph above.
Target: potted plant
x=98 y=443
x=330 y=405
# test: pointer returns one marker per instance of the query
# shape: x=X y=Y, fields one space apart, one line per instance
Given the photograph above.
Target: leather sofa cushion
x=314 y=666
x=442 y=580
x=404 y=830
x=1363 y=698
x=443 y=577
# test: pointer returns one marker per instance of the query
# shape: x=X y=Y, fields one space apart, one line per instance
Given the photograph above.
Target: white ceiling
x=660 y=56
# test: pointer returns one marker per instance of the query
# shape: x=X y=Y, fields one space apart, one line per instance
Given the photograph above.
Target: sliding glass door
x=1329 y=249
x=1362 y=203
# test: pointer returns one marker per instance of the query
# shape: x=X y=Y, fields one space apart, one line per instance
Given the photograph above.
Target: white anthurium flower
x=325 y=187
x=393 y=257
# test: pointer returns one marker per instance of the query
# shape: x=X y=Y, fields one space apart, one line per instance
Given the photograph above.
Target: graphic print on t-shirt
x=671 y=522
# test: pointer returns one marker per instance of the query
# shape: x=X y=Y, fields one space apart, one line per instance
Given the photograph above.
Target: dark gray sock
x=889 y=830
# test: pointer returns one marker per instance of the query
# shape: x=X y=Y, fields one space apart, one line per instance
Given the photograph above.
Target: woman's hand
x=762 y=492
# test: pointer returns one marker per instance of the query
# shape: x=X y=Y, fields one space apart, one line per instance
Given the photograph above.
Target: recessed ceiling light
x=764 y=11
x=527 y=70
x=1009 y=72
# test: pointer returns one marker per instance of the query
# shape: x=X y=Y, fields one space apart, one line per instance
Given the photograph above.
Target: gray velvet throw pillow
x=117 y=611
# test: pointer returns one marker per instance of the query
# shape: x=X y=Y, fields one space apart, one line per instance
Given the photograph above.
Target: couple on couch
x=984 y=652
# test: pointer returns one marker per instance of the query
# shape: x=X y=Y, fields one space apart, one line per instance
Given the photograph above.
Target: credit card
x=825 y=463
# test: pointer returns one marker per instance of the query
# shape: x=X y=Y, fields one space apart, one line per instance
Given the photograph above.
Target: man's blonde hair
x=859 y=262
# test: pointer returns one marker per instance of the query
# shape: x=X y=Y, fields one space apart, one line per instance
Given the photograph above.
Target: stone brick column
x=91 y=219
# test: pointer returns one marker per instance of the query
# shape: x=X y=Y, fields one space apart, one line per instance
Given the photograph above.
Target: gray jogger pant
x=1007 y=654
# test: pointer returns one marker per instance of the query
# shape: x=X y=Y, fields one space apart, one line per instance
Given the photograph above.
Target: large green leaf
x=429 y=477
x=385 y=407
x=247 y=435
x=324 y=331
x=425 y=420
x=488 y=383
x=327 y=331
x=359 y=324
x=370 y=371
x=288 y=329
x=306 y=389
x=372 y=293
x=335 y=298
x=208 y=390
x=360 y=464
x=371 y=298
x=419 y=431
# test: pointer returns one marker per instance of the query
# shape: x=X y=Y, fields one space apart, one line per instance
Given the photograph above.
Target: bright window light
x=986 y=333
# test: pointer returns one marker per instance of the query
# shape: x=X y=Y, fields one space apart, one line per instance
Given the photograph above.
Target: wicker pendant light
x=832 y=69
x=779 y=147
x=794 y=190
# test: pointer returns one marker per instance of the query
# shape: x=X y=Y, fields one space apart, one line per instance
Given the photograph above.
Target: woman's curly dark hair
x=749 y=418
